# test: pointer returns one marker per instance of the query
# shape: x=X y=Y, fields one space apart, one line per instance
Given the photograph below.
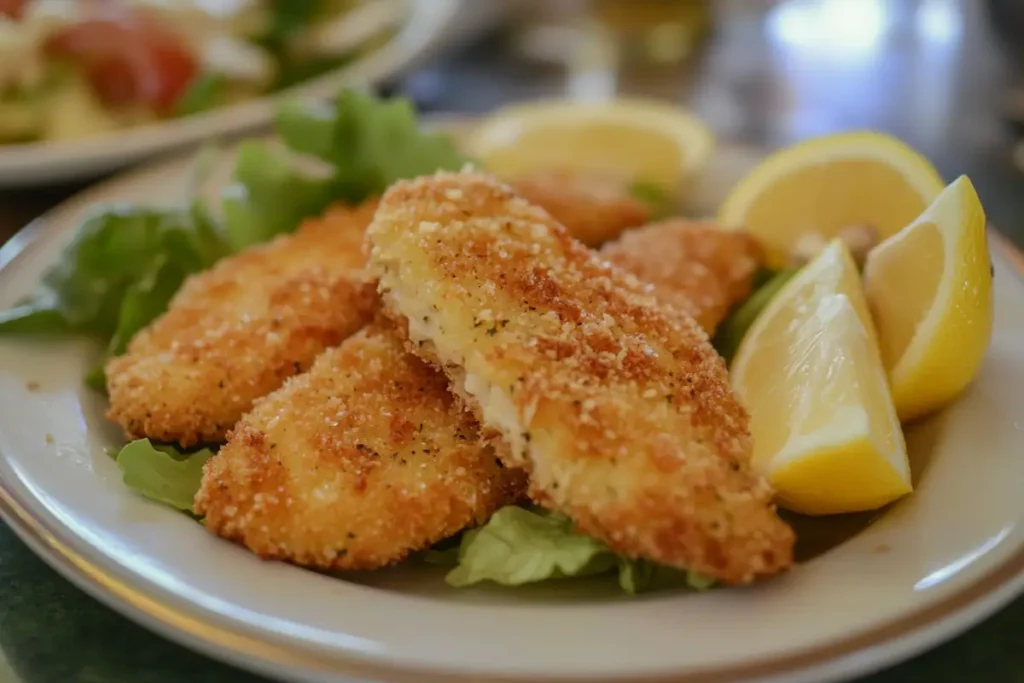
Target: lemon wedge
x=634 y=139
x=809 y=370
x=822 y=187
x=930 y=291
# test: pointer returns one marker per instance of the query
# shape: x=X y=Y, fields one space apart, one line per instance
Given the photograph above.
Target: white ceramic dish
x=932 y=566
x=429 y=26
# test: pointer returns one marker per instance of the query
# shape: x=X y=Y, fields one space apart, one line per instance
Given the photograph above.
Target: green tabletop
x=50 y=632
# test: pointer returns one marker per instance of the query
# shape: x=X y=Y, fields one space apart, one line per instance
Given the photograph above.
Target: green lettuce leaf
x=656 y=197
x=447 y=557
x=519 y=546
x=698 y=581
x=96 y=377
x=364 y=144
x=638 y=576
x=118 y=273
x=145 y=299
x=127 y=262
x=445 y=552
x=39 y=315
x=369 y=143
x=295 y=69
x=635 y=576
x=269 y=196
x=163 y=473
x=308 y=127
x=288 y=17
x=208 y=91
x=730 y=333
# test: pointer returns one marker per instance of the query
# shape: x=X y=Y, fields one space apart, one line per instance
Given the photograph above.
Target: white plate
x=934 y=565
x=429 y=25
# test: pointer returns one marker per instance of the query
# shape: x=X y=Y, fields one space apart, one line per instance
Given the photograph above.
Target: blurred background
x=944 y=75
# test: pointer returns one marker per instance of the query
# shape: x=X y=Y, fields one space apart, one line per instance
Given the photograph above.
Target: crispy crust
x=354 y=464
x=594 y=209
x=236 y=332
x=693 y=265
x=618 y=408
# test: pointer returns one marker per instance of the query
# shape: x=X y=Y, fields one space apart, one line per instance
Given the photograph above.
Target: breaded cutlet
x=236 y=332
x=617 y=407
x=593 y=208
x=692 y=264
x=354 y=464
x=461 y=486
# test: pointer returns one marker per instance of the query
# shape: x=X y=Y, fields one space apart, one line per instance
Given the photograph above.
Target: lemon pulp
x=824 y=185
x=809 y=370
x=930 y=292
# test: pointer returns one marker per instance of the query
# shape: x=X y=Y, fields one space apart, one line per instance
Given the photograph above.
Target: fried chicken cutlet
x=693 y=265
x=618 y=408
x=354 y=464
x=236 y=332
x=593 y=208
x=381 y=390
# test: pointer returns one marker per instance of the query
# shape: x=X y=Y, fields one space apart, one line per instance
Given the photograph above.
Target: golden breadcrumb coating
x=237 y=331
x=463 y=483
x=618 y=408
x=354 y=464
x=593 y=208
x=693 y=265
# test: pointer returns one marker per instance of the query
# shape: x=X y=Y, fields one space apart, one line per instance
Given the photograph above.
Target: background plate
x=430 y=26
x=933 y=565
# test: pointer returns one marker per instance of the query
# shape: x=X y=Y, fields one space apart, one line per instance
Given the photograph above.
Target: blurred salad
x=74 y=68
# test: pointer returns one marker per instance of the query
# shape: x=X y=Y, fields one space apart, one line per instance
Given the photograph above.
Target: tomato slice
x=12 y=9
x=128 y=58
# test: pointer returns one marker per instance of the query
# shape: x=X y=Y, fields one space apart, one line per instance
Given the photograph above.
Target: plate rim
x=897 y=640
x=420 y=34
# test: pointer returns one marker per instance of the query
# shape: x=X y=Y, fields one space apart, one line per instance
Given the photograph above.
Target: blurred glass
x=653 y=31
x=611 y=47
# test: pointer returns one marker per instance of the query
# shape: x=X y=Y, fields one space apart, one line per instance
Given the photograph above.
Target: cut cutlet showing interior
x=618 y=408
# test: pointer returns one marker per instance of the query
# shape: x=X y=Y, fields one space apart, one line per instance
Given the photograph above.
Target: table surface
x=760 y=82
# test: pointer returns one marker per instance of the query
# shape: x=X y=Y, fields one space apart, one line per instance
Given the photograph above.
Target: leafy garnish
x=308 y=127
x=520 y=546
x=118 y=273
x=208 y=91
x=163 y=473
x=730 y=333
x=126 y=262
x=365 y=145
x=657 y=198
x=288 y=18
x=96 y=378
x=445 y=552
x=36 y=316
x=635 y=576
x=294 y=70
x=698 y=581
x=445 y=557
x=762 y=277
x=369 y=143
x=270 y=196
